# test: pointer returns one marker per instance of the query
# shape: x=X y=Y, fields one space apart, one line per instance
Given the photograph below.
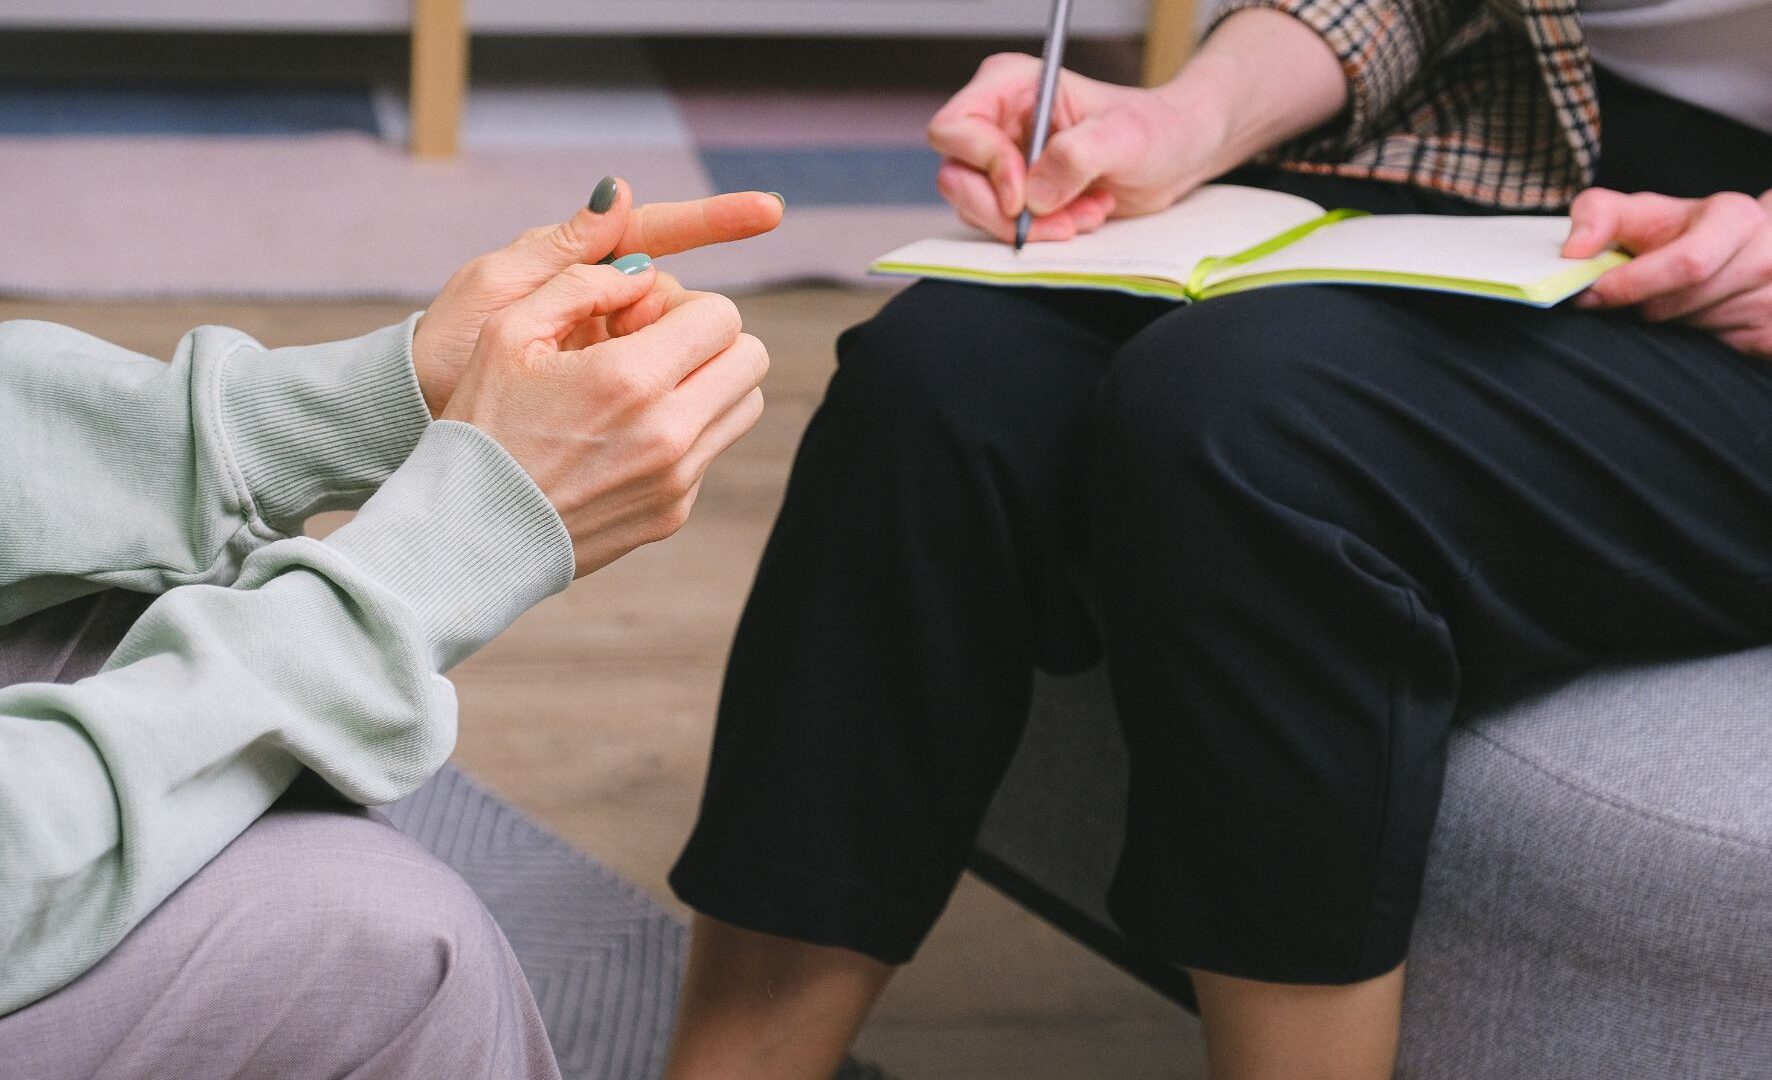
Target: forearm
x=1270 y=79
x=322 y=655
x=117 y=470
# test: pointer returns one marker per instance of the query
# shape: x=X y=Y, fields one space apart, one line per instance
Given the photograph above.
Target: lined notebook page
x=1505 y=250
x=1218 y=219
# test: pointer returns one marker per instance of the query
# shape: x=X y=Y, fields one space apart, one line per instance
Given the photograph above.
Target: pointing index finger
x=672 y=227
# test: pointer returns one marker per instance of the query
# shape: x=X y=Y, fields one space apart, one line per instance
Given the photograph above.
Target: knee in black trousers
x=1284 y=682
x=1312 y=521
x=922 y=566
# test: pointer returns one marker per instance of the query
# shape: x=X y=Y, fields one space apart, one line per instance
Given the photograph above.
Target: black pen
x=1055 y=35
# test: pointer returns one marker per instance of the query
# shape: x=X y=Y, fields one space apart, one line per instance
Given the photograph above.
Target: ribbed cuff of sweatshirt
x=463 y=537
x=320 y=427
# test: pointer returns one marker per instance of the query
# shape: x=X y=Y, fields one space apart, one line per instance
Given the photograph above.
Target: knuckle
x=756 y=355
x=584 y=275
x=477 y=272
x=725 y=316
x=663 y=451
x=565 y=239
x=503 y=332
x=679 y=481
x=944 y=182
x=668 y=521
x=1129 y=126
x=1065 y=156
x=625 y=386
x=1591 y=201
x=1758 y=264
x=1692 y=264
x=1736 y=206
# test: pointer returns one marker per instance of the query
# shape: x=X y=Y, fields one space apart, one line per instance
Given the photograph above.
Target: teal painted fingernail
x=780 y=198
x=636 y=263
x=604 y=197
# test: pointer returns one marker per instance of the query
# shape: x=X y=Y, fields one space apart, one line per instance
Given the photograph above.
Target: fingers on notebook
x=969 y=192
x=1692 y=252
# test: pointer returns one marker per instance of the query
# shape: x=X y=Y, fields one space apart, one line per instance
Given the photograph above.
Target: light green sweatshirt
x=266 y=651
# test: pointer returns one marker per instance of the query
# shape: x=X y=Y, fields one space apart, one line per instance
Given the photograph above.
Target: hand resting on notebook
x=1119 y=152
x=1705 y=262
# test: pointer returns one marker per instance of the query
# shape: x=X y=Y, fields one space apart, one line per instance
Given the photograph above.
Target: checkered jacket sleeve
x=1489 y=100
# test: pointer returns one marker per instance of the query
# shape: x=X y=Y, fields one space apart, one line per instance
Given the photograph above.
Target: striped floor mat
x=603 y=959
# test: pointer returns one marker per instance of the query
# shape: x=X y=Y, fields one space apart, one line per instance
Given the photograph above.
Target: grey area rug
x=603 y=959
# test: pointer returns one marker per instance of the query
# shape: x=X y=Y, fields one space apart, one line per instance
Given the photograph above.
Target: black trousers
x=1304 y=526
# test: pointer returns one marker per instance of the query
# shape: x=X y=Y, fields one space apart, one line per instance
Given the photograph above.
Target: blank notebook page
x=1506 y=250
x=1219 y=219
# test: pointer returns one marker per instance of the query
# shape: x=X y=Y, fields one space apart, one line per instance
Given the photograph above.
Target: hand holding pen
x=1113 y=151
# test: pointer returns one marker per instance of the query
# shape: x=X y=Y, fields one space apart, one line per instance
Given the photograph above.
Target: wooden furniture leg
x=439 y=77
x=1168 y=39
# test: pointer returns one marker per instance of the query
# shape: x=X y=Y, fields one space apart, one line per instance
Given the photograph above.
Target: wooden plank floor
x=594 y=713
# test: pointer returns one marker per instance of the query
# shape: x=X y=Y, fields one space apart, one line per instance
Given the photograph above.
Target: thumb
x=585 y=237
x=1076 y=158
x=1600 y=218
x=577 y=293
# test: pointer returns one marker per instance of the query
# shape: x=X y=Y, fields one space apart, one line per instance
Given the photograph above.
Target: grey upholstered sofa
x=1599 y=897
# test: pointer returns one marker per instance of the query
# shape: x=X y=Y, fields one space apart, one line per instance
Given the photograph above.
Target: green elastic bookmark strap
x=1137 y=286
x=1196 y=282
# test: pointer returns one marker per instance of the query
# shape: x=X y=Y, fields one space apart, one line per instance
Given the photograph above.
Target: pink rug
x=349 y=216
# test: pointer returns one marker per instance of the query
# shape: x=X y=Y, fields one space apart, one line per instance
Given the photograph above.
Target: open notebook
x=1224 y=238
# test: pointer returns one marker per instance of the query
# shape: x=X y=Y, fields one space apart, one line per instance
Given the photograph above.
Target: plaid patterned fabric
x=1491 y=102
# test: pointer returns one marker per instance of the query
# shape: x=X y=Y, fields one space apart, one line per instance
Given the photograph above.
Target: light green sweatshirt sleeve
x=268 y=653
x=117 y=470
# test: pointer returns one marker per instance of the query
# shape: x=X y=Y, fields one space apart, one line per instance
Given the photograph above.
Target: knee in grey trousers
x=322 y=943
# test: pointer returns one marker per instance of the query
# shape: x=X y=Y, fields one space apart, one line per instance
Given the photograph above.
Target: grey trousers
x=322 y=943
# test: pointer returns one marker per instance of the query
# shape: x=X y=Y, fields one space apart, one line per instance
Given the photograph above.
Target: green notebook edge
x=1544 y=293
x=1547 y=292
x=1136 y=286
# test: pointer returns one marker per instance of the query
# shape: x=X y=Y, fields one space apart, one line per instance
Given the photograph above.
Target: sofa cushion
x=1599 y=895
x=1599 y=892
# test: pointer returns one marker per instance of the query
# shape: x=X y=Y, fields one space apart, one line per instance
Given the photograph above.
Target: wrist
x=463 y=537
x=320 y=427
x=432 y=386
x=1202 y=101
x=1259 y=79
